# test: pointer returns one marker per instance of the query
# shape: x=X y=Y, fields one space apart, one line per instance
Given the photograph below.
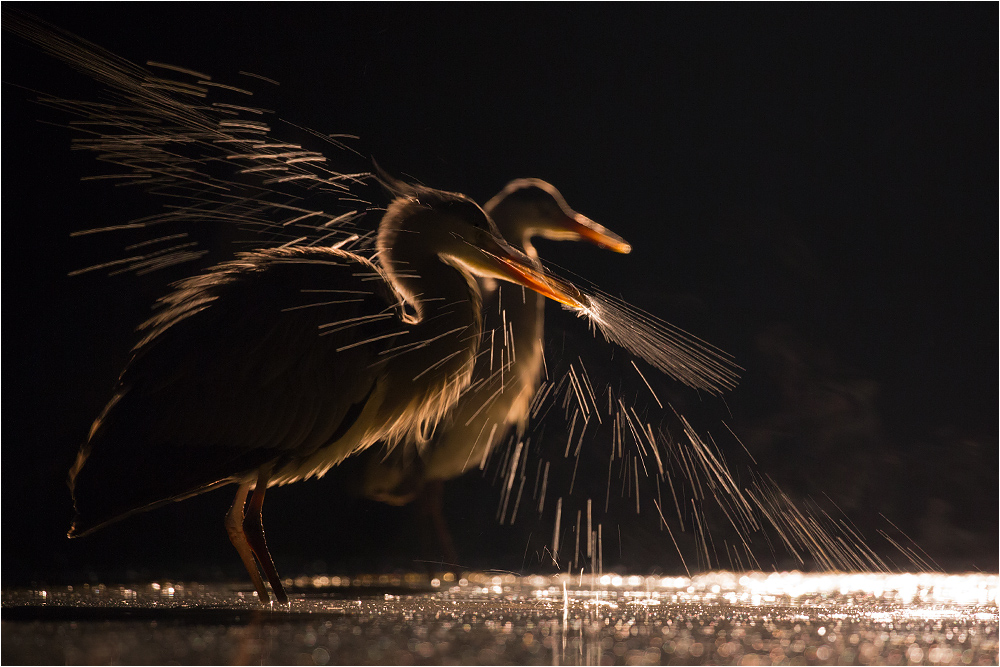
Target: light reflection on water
x=490 y=618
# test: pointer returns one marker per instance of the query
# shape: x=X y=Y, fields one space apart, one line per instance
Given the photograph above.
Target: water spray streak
x=665 y=347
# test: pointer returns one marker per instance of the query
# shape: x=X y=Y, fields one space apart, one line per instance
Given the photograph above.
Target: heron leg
x=234 y=527
x=431 y=505
x=253 y=528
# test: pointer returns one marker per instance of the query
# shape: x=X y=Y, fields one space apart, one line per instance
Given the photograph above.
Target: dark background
x=810 y=187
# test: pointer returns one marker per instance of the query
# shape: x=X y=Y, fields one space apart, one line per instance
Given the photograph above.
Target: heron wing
x=266 y=359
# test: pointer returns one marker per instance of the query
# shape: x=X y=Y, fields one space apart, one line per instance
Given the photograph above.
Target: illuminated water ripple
x=488 y=618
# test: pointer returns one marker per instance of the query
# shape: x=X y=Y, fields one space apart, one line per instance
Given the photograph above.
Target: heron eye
x=479 y=220
x=469 y=212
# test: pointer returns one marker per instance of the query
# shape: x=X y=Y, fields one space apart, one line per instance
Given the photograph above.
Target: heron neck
x=432 y=360
x=522 y=312
x=434 y=289
x=523 y=306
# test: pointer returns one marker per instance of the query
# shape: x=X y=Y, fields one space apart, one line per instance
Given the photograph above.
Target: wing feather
x=235 y=371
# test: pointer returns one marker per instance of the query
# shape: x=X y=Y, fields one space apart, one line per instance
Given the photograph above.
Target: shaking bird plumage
x=276 y=366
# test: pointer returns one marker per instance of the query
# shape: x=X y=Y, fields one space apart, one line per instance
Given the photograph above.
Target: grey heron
x=508 y=369
x=276 y=366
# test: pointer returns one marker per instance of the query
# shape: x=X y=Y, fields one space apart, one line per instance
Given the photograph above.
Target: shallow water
x=485 y=618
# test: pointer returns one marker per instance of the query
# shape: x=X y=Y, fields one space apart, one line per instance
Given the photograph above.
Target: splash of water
x=667 y=348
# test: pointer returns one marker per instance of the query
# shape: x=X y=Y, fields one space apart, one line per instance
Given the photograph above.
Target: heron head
x=424 y=223
x=530 y=207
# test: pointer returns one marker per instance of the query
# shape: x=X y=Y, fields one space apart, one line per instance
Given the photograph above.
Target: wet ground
x=485 y=618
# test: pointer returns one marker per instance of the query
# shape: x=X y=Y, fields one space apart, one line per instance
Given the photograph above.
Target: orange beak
x=597 y=234
x=546 y=285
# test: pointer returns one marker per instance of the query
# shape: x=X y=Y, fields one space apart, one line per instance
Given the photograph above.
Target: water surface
x=486 y=618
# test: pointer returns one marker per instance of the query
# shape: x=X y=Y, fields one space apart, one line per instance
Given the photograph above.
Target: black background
x=810 y=187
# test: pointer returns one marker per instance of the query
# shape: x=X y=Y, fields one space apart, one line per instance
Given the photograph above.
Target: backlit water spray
x=206 y=149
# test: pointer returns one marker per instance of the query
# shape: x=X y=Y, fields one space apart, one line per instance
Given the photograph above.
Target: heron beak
x=548 y=286
x=494 y=258
x=597 y=234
